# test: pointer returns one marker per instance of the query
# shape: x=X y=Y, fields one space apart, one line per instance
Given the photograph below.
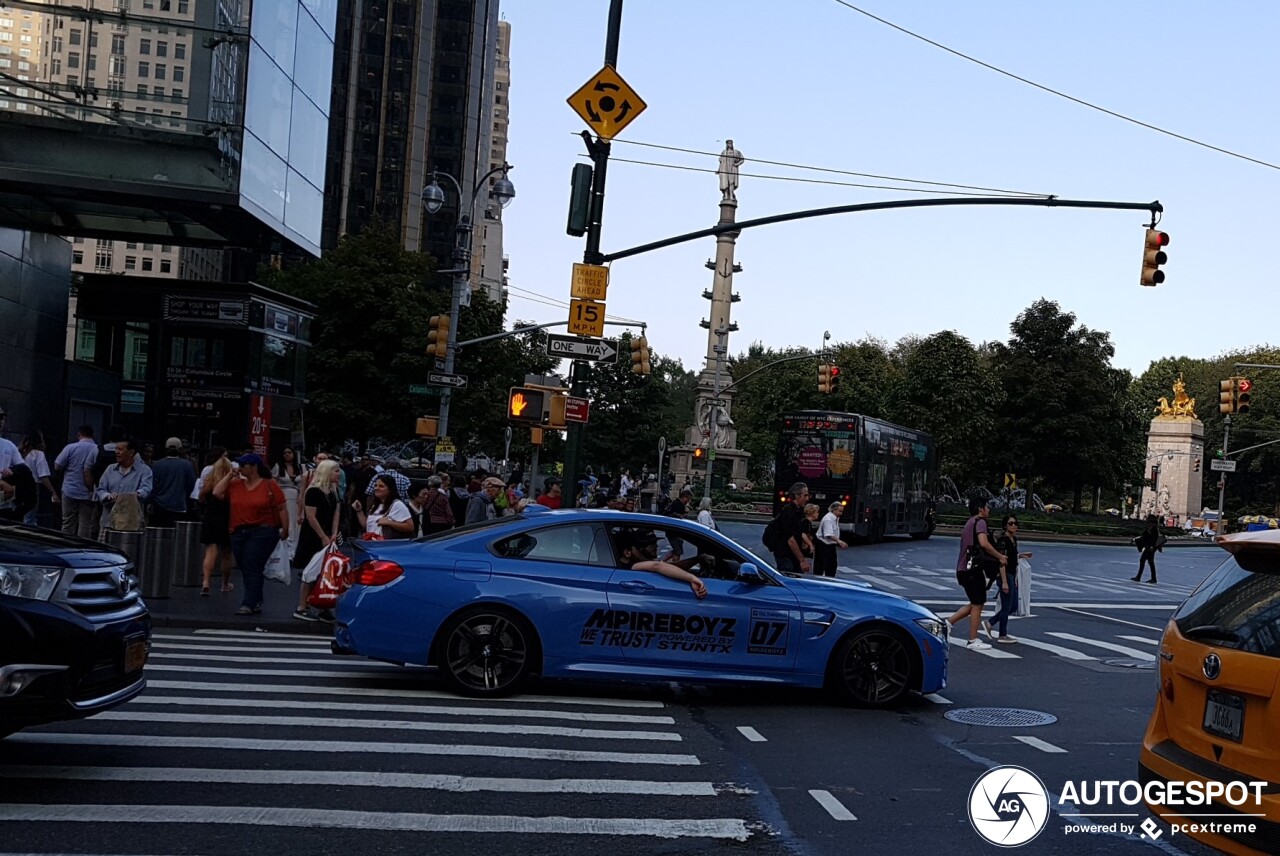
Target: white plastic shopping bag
x=277 y=569
x=311 y=572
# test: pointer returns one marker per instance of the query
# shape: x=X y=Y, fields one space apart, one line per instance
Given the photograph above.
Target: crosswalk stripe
x=1039 y=583
x=751 y=734
x=1108 y=646
x=253 y=634
x=298 y=689
x=165 y=645
x=924 y=572
x=426 y=710
x=222 y=743
x=391 y=672
x=318 y=642
x=354 y=778
x=933 y=585
x=312 y=661
x=994 y=653
x=328 y=818
x=1144 y=640
x=879 y=582
x=880 y=569
x=1069 y=653
x=834 y=807
x=937 y=699
x=393 y=725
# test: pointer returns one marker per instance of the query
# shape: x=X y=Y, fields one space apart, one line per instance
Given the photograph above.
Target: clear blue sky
x=811 y=82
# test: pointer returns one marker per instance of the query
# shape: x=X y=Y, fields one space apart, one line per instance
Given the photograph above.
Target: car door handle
x=637 y=585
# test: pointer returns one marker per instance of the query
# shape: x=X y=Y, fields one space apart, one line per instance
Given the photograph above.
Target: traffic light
x=1153 y=256
x=427 y=426
x=698 y=453
x=1244 y=394
x=579 y=200
x=824 y=378
x=640 y=355
x=438 y=337
x=525 y=405
x=1227 y=395
x=555 y=411
x=834 y=383
x=1195 y=465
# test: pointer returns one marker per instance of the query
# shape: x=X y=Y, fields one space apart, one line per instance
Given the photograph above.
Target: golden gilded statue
x=1183 y=406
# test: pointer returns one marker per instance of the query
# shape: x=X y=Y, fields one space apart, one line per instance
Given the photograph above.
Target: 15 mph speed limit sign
x=586 y=318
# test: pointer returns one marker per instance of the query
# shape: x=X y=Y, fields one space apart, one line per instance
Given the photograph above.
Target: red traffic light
x=1244 y=384
x=1160 y=239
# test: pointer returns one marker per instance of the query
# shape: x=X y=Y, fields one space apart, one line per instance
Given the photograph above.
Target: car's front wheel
x=487 y=651
x=872 y=668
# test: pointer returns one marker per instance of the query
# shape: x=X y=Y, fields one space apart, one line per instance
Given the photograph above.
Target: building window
x=183 y=6
x=73 y=60
x=174 y=116
x=148 y=263
x=166 y=266
x=130 y=262
x=179 y=51
x=136 y=335
x=148 y=248
x=162 y=48
x=55 y=66
x=86 y=340
x=77 y=257
x=74 y=37
x=73 y=80
x=157 y=91
x=117 y=44
x=117 y=67
x=57 y=44
x=92 y=64
x=144 y=46
x=176 y=93
x=161 y=69
x=131 y=246
x=142 y=90
x=93 y=40
x=179 y=74
x=144 y=69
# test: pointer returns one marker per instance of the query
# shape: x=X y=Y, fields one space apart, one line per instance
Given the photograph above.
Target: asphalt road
x=254 y=742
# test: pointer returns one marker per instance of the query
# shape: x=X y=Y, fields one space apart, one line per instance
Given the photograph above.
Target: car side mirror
x=749 y=573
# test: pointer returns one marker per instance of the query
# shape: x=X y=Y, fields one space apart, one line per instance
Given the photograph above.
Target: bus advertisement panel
x=883 y=473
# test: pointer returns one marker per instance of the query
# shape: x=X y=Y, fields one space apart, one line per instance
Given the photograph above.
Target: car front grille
x=96 y=593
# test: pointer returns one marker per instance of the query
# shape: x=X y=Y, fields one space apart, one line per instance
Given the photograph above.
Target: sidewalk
x=184 y=607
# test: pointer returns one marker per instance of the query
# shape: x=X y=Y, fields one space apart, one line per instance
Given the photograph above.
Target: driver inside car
x=638 y=551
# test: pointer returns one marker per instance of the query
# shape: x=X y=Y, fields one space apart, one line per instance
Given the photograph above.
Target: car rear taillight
x=376 y=572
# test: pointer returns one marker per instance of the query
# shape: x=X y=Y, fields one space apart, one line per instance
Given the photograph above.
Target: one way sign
x=578 y=348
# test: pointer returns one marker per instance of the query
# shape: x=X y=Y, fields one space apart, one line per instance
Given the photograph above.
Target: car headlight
x=934 y=627
x=29 y=582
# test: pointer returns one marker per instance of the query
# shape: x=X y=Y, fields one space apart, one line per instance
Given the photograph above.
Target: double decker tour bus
x=883 y=473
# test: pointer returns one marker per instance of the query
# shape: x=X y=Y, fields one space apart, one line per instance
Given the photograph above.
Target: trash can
x=157 y=552
x=188 y=553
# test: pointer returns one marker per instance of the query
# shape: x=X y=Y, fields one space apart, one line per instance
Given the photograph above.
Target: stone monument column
x=1175 y=442
x=719 y=325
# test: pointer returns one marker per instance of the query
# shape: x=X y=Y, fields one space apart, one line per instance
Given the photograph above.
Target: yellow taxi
x=1217 y=721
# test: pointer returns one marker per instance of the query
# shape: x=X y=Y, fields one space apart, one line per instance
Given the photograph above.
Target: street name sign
x=456 y=381
x=576 y=409
x=1220 y=466
x=589 y=282
x=606 y=103
x=586 y=318
x=575 y=348
x=423 y=389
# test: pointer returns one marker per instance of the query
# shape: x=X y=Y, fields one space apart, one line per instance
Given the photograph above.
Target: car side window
x=572 y=543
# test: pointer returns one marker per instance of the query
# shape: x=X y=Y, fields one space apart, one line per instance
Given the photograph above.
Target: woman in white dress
x=288 y=474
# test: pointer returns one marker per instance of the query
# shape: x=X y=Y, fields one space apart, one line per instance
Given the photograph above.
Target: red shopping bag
x=335 y=578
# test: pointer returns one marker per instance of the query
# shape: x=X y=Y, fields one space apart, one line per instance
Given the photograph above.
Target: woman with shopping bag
x=259 y=522
x=320 y=529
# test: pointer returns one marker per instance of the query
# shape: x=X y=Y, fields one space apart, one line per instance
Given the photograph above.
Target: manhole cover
x=1131 y=663
x=1000 y=717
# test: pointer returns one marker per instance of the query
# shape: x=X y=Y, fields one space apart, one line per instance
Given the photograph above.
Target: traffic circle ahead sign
x=606 y=103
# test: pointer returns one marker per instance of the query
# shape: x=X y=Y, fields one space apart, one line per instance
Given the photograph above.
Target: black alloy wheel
x=872 y=668
x=487 y=652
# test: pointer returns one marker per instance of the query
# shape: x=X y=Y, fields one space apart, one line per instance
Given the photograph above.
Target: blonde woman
x=320 y=526
x=215 y=519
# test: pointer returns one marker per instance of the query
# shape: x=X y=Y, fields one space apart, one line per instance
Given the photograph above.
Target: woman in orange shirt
x=259 y=521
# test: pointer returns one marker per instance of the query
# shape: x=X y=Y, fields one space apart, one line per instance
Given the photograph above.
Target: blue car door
x=738 y=627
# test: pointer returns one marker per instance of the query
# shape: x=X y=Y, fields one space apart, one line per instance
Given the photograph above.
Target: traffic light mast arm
x=728 y=387
x=531 y=328
x=1041 y=201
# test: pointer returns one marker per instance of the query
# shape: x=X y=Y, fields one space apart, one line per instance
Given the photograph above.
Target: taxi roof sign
x=607 y=103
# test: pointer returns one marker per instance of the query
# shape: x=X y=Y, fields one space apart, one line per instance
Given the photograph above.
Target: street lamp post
x=433 y=199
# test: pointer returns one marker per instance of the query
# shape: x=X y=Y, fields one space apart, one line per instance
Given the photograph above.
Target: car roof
x=1263 y=540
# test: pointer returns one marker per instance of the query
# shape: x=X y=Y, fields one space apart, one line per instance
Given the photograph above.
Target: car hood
x=829 y=592
x=30 y=545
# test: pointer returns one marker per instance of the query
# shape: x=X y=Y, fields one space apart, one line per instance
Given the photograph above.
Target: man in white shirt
x=828 y=539
x=10 y=457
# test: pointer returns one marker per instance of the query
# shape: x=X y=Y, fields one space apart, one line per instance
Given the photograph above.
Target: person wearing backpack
x=976 y=550
x=784 y=535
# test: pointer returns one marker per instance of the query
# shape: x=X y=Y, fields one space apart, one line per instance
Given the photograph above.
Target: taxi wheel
x=487 y=651
x=872 y=668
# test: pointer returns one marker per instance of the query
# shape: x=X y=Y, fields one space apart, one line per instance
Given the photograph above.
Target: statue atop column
x=730 y=160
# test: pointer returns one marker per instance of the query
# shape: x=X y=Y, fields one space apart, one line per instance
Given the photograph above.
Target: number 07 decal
x=768 y=632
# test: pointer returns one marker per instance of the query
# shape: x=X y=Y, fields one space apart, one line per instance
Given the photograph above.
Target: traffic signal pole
x=599 y=151
x=1222 y=481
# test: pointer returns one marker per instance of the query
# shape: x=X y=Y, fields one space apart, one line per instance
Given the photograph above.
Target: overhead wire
x=548 y=300
x=1059 y=93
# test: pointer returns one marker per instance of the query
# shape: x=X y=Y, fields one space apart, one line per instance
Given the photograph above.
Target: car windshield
x=1238 y=606
x=698 y=553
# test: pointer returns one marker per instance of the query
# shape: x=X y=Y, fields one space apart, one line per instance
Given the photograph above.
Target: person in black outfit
x=788 y=555
x=320 y=529
x=1148 y=543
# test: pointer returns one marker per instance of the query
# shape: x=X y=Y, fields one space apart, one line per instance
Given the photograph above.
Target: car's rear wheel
x=872 y=668
x=487 y=651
